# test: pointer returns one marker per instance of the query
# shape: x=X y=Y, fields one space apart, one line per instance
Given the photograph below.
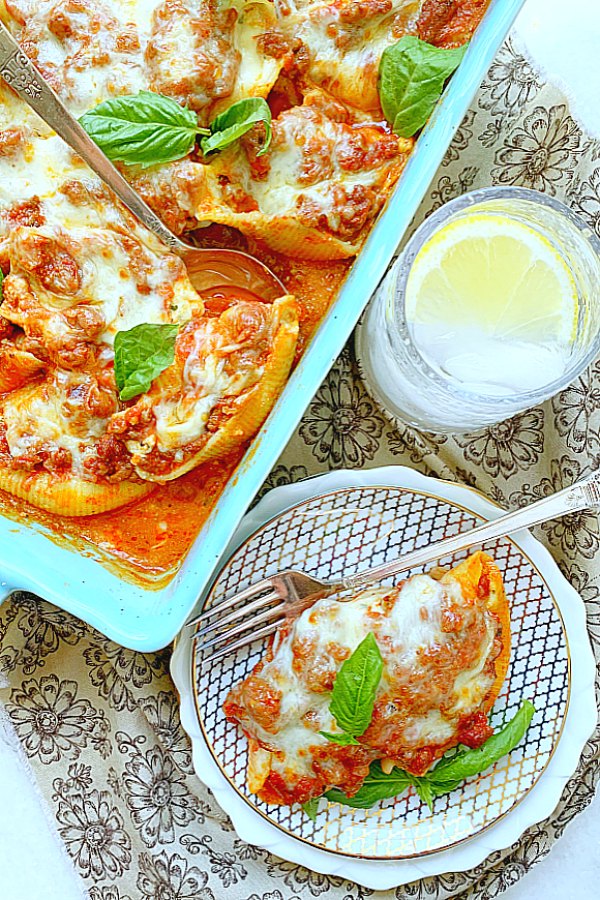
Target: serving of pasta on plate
x=392 y=676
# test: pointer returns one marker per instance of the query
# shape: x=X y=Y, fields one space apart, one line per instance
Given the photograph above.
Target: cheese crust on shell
x=445 y=644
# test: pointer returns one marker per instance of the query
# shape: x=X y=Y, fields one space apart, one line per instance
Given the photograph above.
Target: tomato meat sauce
x=145 y=542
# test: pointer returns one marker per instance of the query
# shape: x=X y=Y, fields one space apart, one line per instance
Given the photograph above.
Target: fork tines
x=242 y=616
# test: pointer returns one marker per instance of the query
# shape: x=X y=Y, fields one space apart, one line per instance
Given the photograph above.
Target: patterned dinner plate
x=346 y=521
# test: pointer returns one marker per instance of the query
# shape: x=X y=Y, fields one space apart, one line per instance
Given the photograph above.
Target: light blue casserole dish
x=144 y=619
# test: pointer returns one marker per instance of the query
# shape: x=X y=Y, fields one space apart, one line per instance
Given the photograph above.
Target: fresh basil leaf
x=148 y=129
x=447 y=775
x=411 y=79
x=451 y=771
x=355 y=687
x=239 y=118
x=344 y=739
x=144 y=129
x=424 y=790
x=311 y=808
x=376 y=786
x=141 y=354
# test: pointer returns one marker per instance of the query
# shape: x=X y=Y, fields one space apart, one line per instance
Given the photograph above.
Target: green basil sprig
x=376 y=786
x=141 y=354
x=411 y=79
x=148 y=129
x=311 y=808
x=239 y=118
x=354 y=691
x=452 y=769
x=142 y=129
x=447 y=775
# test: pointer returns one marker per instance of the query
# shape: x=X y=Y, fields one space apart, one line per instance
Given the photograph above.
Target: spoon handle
x=19 y=73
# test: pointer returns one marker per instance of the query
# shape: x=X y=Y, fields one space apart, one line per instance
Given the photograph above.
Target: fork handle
x=578 y=496
x=20 y=74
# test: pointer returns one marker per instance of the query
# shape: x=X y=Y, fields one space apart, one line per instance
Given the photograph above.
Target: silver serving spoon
x=207 y=268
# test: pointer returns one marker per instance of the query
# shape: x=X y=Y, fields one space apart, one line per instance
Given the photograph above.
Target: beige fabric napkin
x=100 y=724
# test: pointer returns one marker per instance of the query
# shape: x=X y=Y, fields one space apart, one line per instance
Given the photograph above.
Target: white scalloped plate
x=552 y=663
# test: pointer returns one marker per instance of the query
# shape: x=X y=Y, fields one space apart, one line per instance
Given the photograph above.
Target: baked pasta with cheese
x=445 y=645
x=68 y=444
x=79 y=271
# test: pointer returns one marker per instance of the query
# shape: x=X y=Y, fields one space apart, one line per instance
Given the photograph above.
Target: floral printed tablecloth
x=100 y=724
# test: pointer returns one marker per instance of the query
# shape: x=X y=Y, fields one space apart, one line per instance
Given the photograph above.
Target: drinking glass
x=412 y=389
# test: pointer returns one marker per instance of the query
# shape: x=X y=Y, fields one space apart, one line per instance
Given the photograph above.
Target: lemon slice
x=497 y=276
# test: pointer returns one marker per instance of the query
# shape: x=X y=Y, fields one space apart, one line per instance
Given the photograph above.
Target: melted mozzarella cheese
x=79 y=49
x=293 y=737
x=207 y=379
x=182 y=421
x=413 y=623
x=345 y=48
x=169 y=298
x=45 y=170
x=16 y=114
x=471 y=685
x=37 y=420
x=39 y=169
x=408 y=623
x=257 y=73
x=112 y=281
x=299 y=134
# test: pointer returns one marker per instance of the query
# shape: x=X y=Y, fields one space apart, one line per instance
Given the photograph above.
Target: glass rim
x=425 y=231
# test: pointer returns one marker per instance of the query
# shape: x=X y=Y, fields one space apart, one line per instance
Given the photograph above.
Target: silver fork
x=260 y=609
